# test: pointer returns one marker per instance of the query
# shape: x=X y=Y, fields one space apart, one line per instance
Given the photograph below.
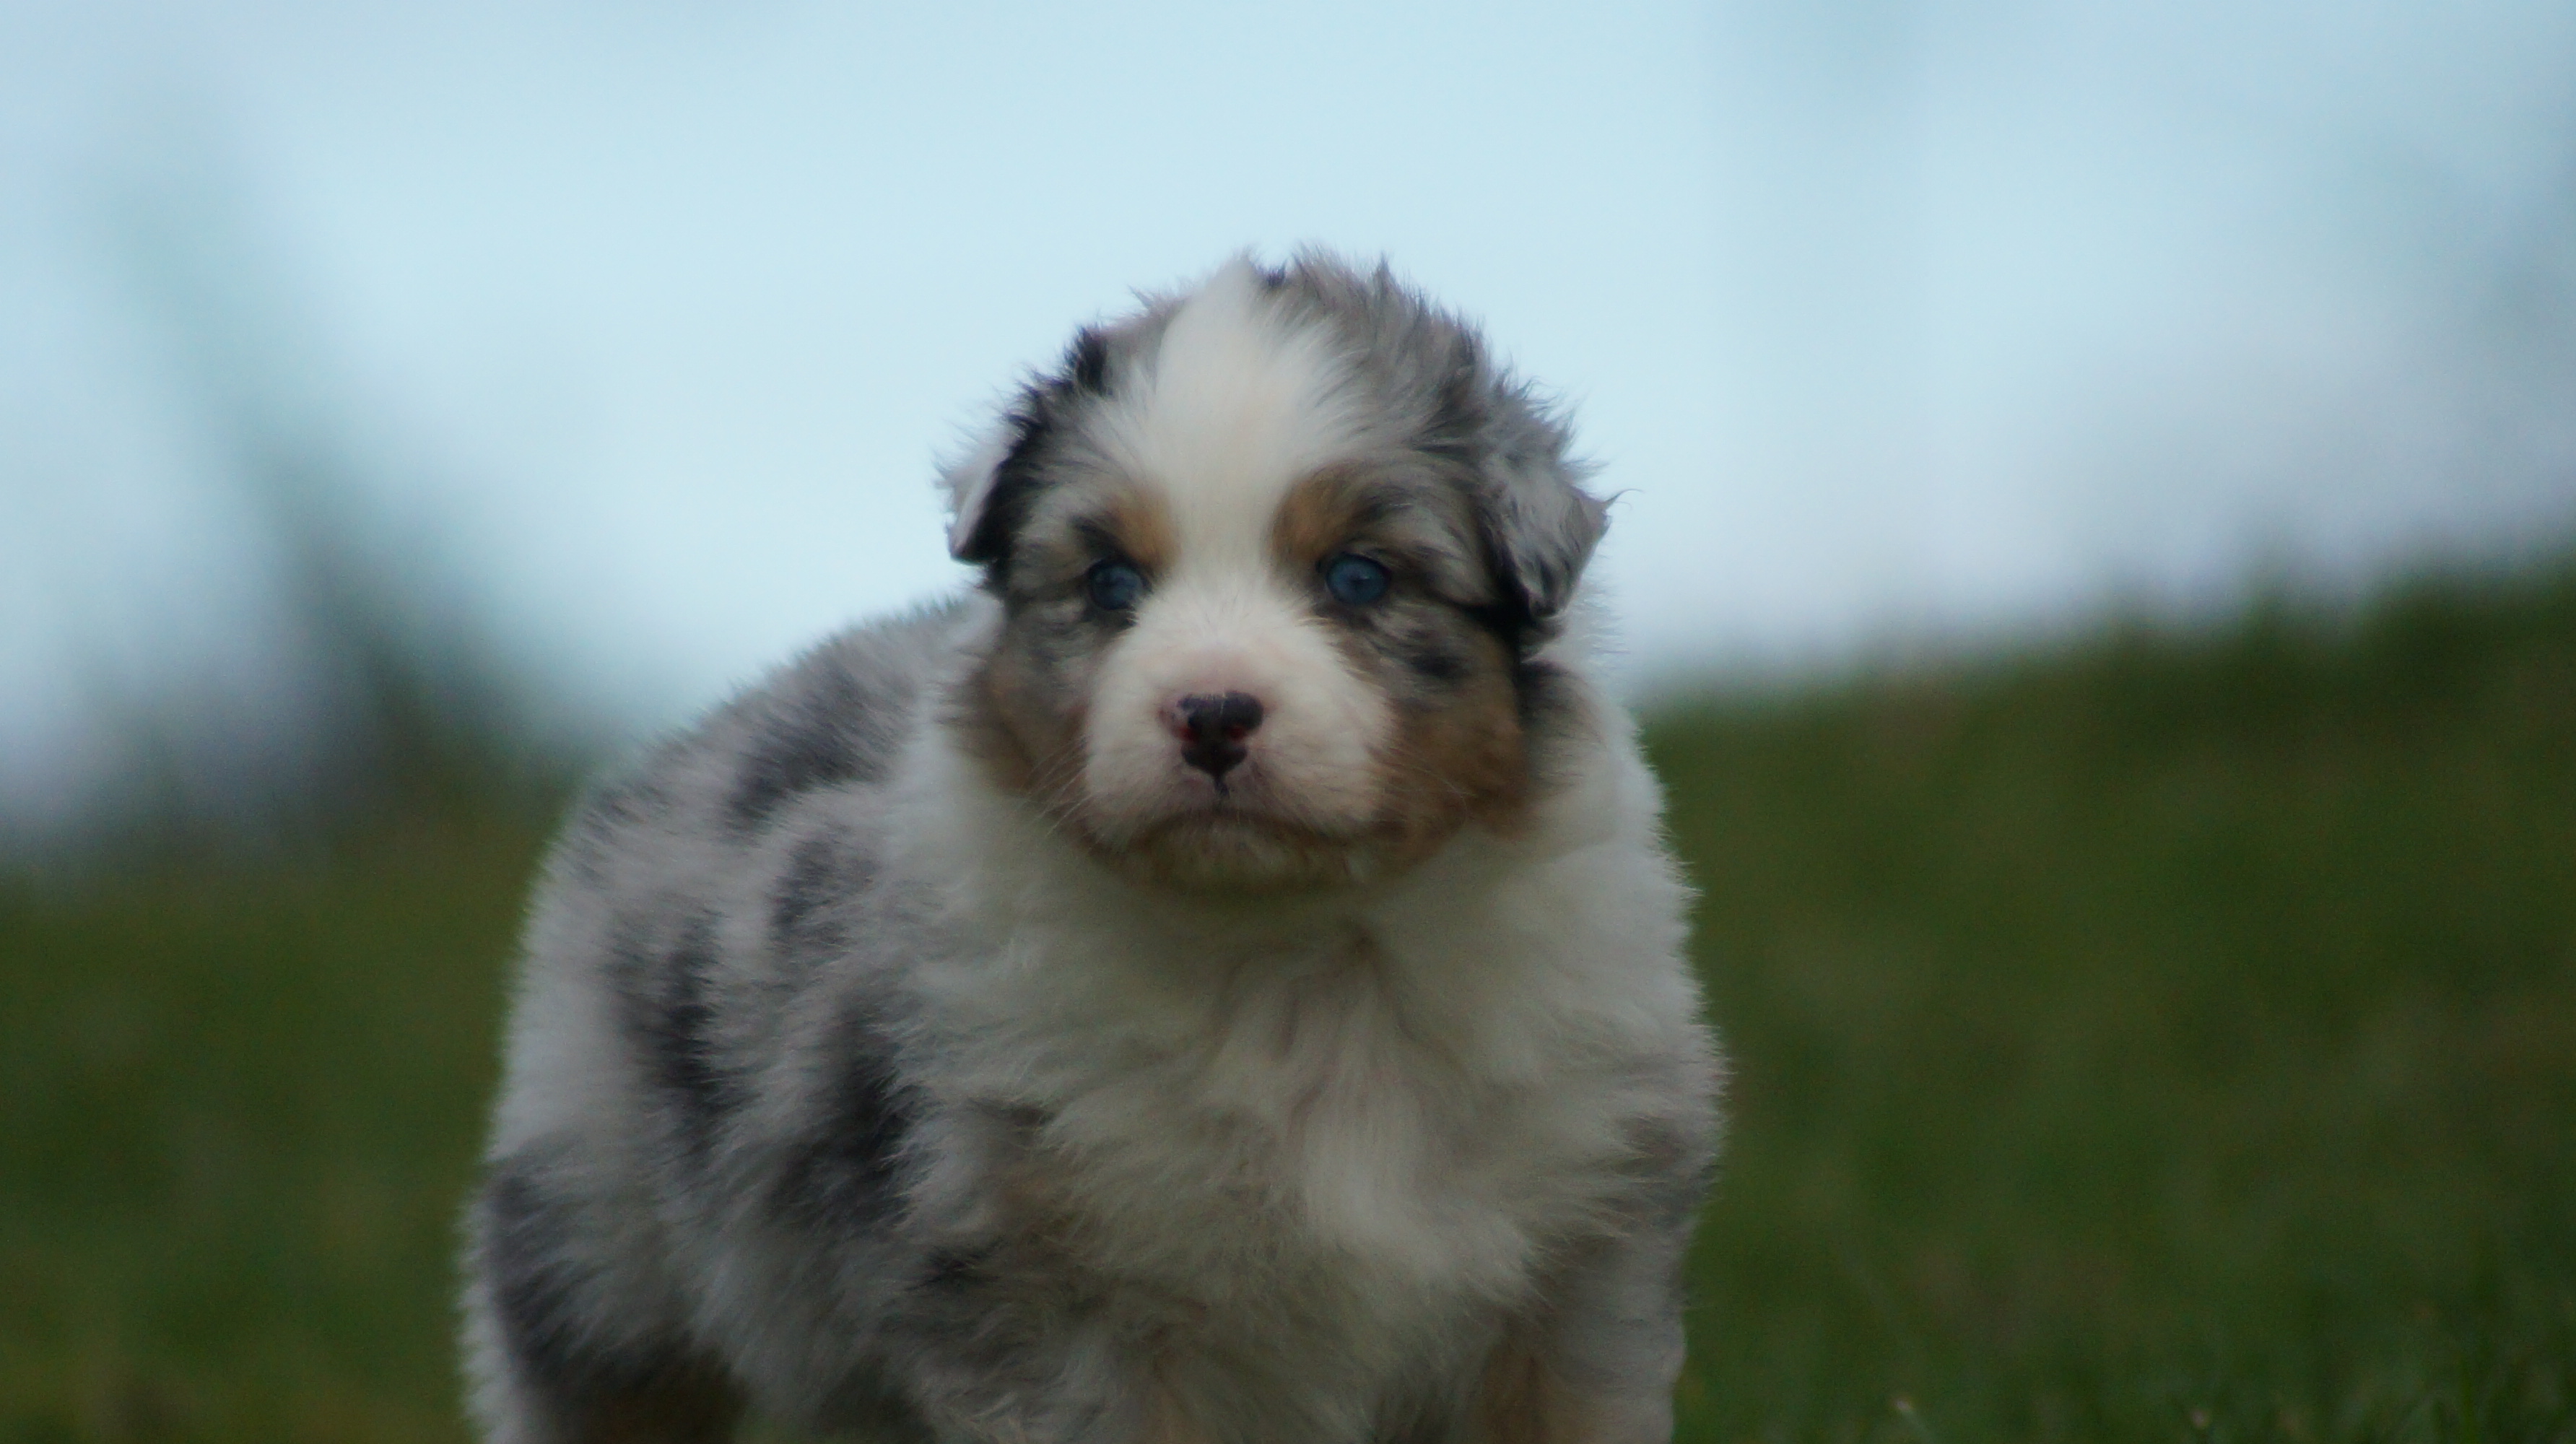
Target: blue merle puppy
x=1221 y=982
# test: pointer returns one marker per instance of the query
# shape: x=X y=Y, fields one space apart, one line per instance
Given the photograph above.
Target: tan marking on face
x=1027 y=748
x=1318 y=517
x=1369 y=762
x=1443 y=765
x=1413 y=522
x=1461 y=761
x=1072 y=528
x=1022 y=727
x=1139 y=520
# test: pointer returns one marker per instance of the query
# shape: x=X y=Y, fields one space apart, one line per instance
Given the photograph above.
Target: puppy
x=1221 y=982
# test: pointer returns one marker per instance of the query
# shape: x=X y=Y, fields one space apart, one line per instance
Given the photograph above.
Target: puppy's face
x=1264 y=621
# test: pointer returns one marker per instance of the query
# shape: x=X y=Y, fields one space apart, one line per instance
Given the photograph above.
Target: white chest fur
x=1389 y=1105
x=1421 y=1091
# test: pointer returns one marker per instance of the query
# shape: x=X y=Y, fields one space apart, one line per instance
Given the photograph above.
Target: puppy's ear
x=973 y=533
x=1541 y=527
x=987 y=490
x=1539 y=524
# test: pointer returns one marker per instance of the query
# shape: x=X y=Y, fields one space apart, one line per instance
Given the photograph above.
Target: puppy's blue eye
x=1116 y=586
x=1354 y=580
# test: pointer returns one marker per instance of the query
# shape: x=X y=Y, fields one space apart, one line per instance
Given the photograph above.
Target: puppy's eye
x=1116 y=586
x=1354 y=580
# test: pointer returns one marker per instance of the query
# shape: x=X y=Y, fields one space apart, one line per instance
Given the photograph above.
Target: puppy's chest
x=1314 y=1131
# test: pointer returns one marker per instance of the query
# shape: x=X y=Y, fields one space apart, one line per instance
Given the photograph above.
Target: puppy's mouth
x=1245 y=836
x=1222 y=810
x=1223 y=845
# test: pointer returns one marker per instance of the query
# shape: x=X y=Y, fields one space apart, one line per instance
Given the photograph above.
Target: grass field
x=2165 y=1037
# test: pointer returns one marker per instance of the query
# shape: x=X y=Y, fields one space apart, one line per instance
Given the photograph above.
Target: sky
x=636 y=331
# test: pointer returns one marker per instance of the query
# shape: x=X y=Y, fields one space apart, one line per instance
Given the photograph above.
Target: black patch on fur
x=951 y=1269
x=1547 y=698
x=673 y=1021
x=1086 y=362
x=1551 y=710
x=1015 y=484
x=1033 y=419
x=524 y=1245
x=1429 y=658
x=848 y=1174
x=1509 y=621
x=814 y=736
x=823 y=870
x=1537 y=536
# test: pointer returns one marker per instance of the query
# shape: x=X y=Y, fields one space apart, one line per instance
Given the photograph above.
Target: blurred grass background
x=2167 y=1033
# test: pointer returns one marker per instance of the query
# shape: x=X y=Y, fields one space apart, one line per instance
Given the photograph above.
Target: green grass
x=241 y=1111
x=2168 y=1037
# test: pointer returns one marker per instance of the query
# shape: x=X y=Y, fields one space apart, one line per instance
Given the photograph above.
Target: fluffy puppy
x=1220 y=982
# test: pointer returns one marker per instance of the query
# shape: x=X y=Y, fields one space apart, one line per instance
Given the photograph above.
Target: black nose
x=1212 y=730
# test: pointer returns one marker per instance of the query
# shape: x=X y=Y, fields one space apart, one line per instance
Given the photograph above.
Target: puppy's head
x=1275 y=557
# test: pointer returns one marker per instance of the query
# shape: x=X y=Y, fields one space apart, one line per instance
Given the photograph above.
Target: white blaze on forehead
x=1236 y=404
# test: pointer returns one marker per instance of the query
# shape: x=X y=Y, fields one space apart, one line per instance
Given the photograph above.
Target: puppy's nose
x=1212 y=729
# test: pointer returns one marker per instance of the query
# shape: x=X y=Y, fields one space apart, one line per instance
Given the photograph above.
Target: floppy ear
x=1539 y=524
x=982 y=486
x=1541 y=527
x=971 y=483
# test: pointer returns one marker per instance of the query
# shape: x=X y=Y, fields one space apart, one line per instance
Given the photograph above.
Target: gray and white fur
x=1219 y=981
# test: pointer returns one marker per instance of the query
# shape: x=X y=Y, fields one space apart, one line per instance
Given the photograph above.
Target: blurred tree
x=397 y=692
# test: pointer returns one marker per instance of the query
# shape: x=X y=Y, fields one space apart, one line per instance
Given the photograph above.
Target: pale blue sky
x=646 y=321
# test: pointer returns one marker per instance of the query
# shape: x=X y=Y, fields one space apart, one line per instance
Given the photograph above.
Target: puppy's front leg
x=1595 y=1360
x=1078 y=1388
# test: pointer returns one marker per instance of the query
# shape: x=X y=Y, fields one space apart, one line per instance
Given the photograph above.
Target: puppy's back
x=836 y=719
x=718 y=853
x=676 y=926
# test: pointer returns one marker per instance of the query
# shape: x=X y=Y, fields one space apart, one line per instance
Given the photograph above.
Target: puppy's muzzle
x=1212 y=729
